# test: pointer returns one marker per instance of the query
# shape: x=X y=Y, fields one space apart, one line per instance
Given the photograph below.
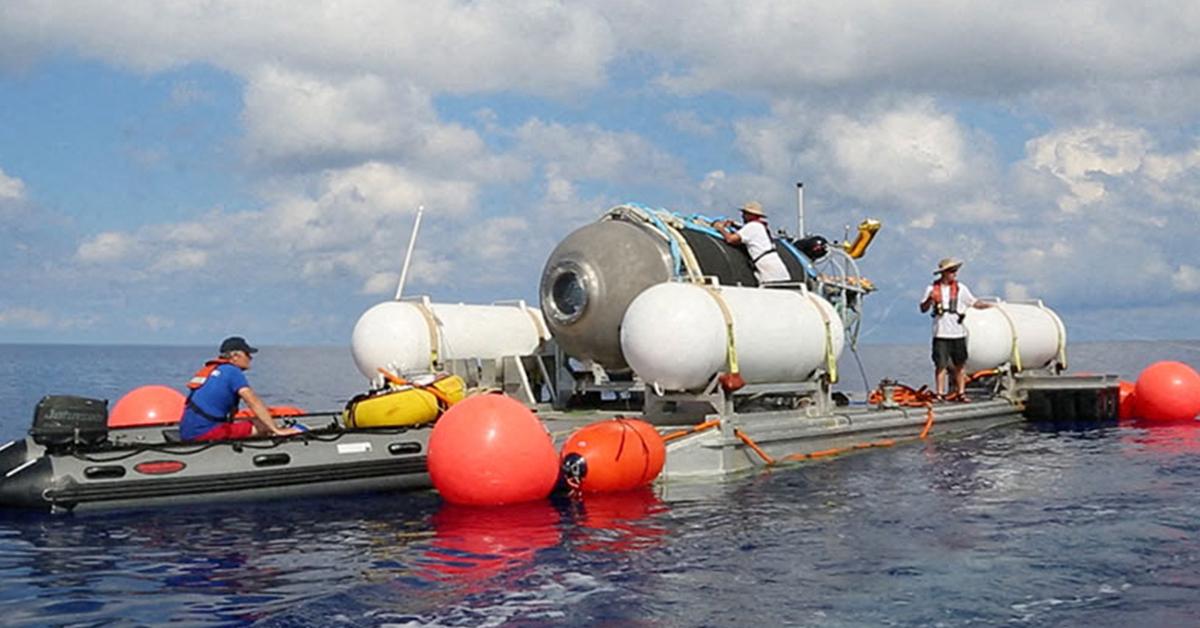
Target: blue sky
x=177 y=172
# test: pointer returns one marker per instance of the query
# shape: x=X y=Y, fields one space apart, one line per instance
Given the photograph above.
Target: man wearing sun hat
x=949 y=301
x=214 y=393
x=756 y=237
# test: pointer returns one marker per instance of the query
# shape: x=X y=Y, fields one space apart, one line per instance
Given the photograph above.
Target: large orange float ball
x=614 y=455
x=1168 y=391
x=490 y=450
x=145 y=406
x=1127 y=401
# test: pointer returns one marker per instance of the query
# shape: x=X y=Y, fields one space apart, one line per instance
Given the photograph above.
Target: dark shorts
x=949 y=352
x=233 y=430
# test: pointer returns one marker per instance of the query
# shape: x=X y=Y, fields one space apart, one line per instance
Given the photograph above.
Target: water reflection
x=1163 y=438
x=474 y=544
x=617 y=522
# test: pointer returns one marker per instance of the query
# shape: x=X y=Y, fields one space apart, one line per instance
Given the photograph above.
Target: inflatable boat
x=149 y=470
x=74 y=460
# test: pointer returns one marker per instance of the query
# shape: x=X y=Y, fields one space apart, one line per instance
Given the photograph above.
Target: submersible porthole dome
x=568 y=292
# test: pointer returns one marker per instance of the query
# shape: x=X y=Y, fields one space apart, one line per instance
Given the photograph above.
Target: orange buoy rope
x=904 y=396
x=977 y=375
x=928 y=421
x=753 y=445
x=396 y=380
x=699 y=427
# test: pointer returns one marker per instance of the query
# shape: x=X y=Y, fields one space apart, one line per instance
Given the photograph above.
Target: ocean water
x=1021 y=525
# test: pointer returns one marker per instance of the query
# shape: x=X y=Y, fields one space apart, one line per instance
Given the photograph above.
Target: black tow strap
x=228 y=418
x=762 y=255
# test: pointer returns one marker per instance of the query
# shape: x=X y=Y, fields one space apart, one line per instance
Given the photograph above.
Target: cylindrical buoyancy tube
x=413 y=335
x=24 y=486
x=593 y=275
x=1026 y=335
x=675 y=334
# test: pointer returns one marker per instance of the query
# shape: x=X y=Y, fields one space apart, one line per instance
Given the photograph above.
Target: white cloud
x=381 y=283
x=293 y=116
x=349 y=223
x=898 y=152
x=782 y=48
x=541 y=46
x=906 y=154
x=365 y=206
x=25 y=317
x=170 y=261
x=110 y=246
x=1082 y=157
x=1186 y=279
x=11 y=188
x=588 y=152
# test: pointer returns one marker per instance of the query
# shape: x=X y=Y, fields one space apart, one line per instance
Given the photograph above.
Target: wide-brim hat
x=948 y=263
x=753 y=207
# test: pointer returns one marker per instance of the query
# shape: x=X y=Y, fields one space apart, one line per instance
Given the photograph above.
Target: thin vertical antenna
x=799 y=209
x=412 y=243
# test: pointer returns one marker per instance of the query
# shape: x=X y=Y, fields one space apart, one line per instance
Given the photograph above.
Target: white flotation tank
x=1039 y=334
x=674 y=334
x=411 y=335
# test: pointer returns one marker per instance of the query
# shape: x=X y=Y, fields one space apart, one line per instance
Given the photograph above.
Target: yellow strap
x=537 y=320
x=830 y=359
x=1016 y=348
x=1059 y=329
x=432 y=327
x=730 y=347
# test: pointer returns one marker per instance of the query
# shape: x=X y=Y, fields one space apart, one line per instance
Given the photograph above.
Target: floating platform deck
x=723 y=443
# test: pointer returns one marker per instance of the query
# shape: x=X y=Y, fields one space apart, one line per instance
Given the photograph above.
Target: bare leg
x=939 y=380
x=960 y=380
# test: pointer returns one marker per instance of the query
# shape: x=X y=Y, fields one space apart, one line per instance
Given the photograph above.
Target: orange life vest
x=953 y=307
x=201 y=376
x=199 y=380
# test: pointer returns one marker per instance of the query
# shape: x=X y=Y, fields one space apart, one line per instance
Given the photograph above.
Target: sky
x=176 y=172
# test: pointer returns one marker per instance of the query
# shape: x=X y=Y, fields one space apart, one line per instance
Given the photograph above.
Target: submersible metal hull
x=141 y=468
x=593 y=275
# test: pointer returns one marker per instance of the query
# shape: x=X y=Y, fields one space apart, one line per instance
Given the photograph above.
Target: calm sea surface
x=1017 y=526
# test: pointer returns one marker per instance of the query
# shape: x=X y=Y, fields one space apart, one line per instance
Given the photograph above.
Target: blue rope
x=676 y=254
x=690 y=224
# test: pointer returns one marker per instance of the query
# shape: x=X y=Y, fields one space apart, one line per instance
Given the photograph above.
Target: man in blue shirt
x=216 y=390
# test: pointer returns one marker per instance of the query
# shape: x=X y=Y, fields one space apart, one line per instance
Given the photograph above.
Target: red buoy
x=489 y=450
x=1168 y=391
x=146 y=406
x=1127 y=401
x=614 y=455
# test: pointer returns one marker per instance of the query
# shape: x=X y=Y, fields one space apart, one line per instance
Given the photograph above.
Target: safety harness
x=938 y=310
x=198 y=380
x=754 y=260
